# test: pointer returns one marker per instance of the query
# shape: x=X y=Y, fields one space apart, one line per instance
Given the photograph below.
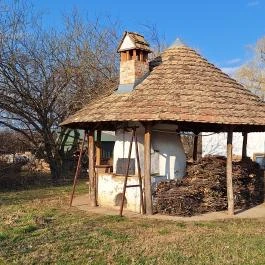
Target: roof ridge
x=135 y=33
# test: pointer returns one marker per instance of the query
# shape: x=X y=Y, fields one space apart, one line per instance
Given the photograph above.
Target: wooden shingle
x=182 y=87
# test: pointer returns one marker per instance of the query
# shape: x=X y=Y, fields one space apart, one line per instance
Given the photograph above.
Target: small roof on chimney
x=133 y=40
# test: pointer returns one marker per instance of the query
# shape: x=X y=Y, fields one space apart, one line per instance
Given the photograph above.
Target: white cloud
x=233 y=61
x=253 y=3
x=230 y=70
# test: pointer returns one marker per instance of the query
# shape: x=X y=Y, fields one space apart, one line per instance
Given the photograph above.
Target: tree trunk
x=56 y=169
x=55 y=163
x=53 y=156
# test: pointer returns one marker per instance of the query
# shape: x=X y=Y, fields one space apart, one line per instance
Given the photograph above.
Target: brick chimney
x=134 y=66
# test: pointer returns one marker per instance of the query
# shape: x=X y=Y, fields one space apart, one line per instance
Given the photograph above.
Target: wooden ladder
x=125 y=186
x=78 y=168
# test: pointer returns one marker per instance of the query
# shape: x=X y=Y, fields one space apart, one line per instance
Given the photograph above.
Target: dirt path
x=82 y=203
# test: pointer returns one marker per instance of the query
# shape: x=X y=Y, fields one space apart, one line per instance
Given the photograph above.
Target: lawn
x=37 y=227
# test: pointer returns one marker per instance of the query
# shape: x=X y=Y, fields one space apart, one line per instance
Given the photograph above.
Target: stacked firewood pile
x=204 y=188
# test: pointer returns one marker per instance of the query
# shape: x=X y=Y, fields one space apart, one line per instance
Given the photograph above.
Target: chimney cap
x=137 y=41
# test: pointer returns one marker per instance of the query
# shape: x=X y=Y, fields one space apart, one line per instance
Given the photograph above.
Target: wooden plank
x=244 y=146
x=229 y=177
x=91 y=167
x=147 y=170
x=195 y=148
x=133 y=186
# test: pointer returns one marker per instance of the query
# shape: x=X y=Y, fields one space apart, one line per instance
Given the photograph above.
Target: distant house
x=73 y=139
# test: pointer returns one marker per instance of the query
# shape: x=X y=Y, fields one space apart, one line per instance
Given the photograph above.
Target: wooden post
x=229 y=178
x=98 y=148
x=139 y=174
x=98 y=161
x=91 y=167
x=244 y=147
x=195 y=147
x=147 y=170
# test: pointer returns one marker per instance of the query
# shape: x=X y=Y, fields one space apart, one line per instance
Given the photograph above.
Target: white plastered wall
x=127 y=44
x=215 y=144
x=168 y=161
x=111 y=186
x=166 y=150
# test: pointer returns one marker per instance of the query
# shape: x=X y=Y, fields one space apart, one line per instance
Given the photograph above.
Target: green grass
x=37 y=227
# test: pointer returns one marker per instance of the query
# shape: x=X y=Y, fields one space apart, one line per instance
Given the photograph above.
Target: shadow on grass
x=23 y=188
x=29 y=180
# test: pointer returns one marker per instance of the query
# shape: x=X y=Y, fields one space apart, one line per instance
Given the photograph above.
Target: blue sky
x=222 y=31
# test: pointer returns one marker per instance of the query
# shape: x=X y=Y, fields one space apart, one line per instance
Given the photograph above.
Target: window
x=260 y=159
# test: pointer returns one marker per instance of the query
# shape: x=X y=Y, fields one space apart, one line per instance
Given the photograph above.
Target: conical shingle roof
x=182 y=87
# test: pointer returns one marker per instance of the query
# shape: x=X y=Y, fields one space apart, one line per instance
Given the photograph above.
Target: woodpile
x=204 y=188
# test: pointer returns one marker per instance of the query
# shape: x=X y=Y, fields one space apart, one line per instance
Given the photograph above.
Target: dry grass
x=37 y=227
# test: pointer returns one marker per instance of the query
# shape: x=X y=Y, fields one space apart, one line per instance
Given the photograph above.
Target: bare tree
x=94 y=60
x=12 y=142
x=252 y=74
x=156 y=39
x=45 y=75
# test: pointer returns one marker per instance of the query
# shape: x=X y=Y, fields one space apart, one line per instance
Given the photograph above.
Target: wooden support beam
x=98 y=161
x=229 y=177
x=244 y=147
x=147 y=170
x=195 y=147
x=91 y=167
x=139 y=175
x=98 y=148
